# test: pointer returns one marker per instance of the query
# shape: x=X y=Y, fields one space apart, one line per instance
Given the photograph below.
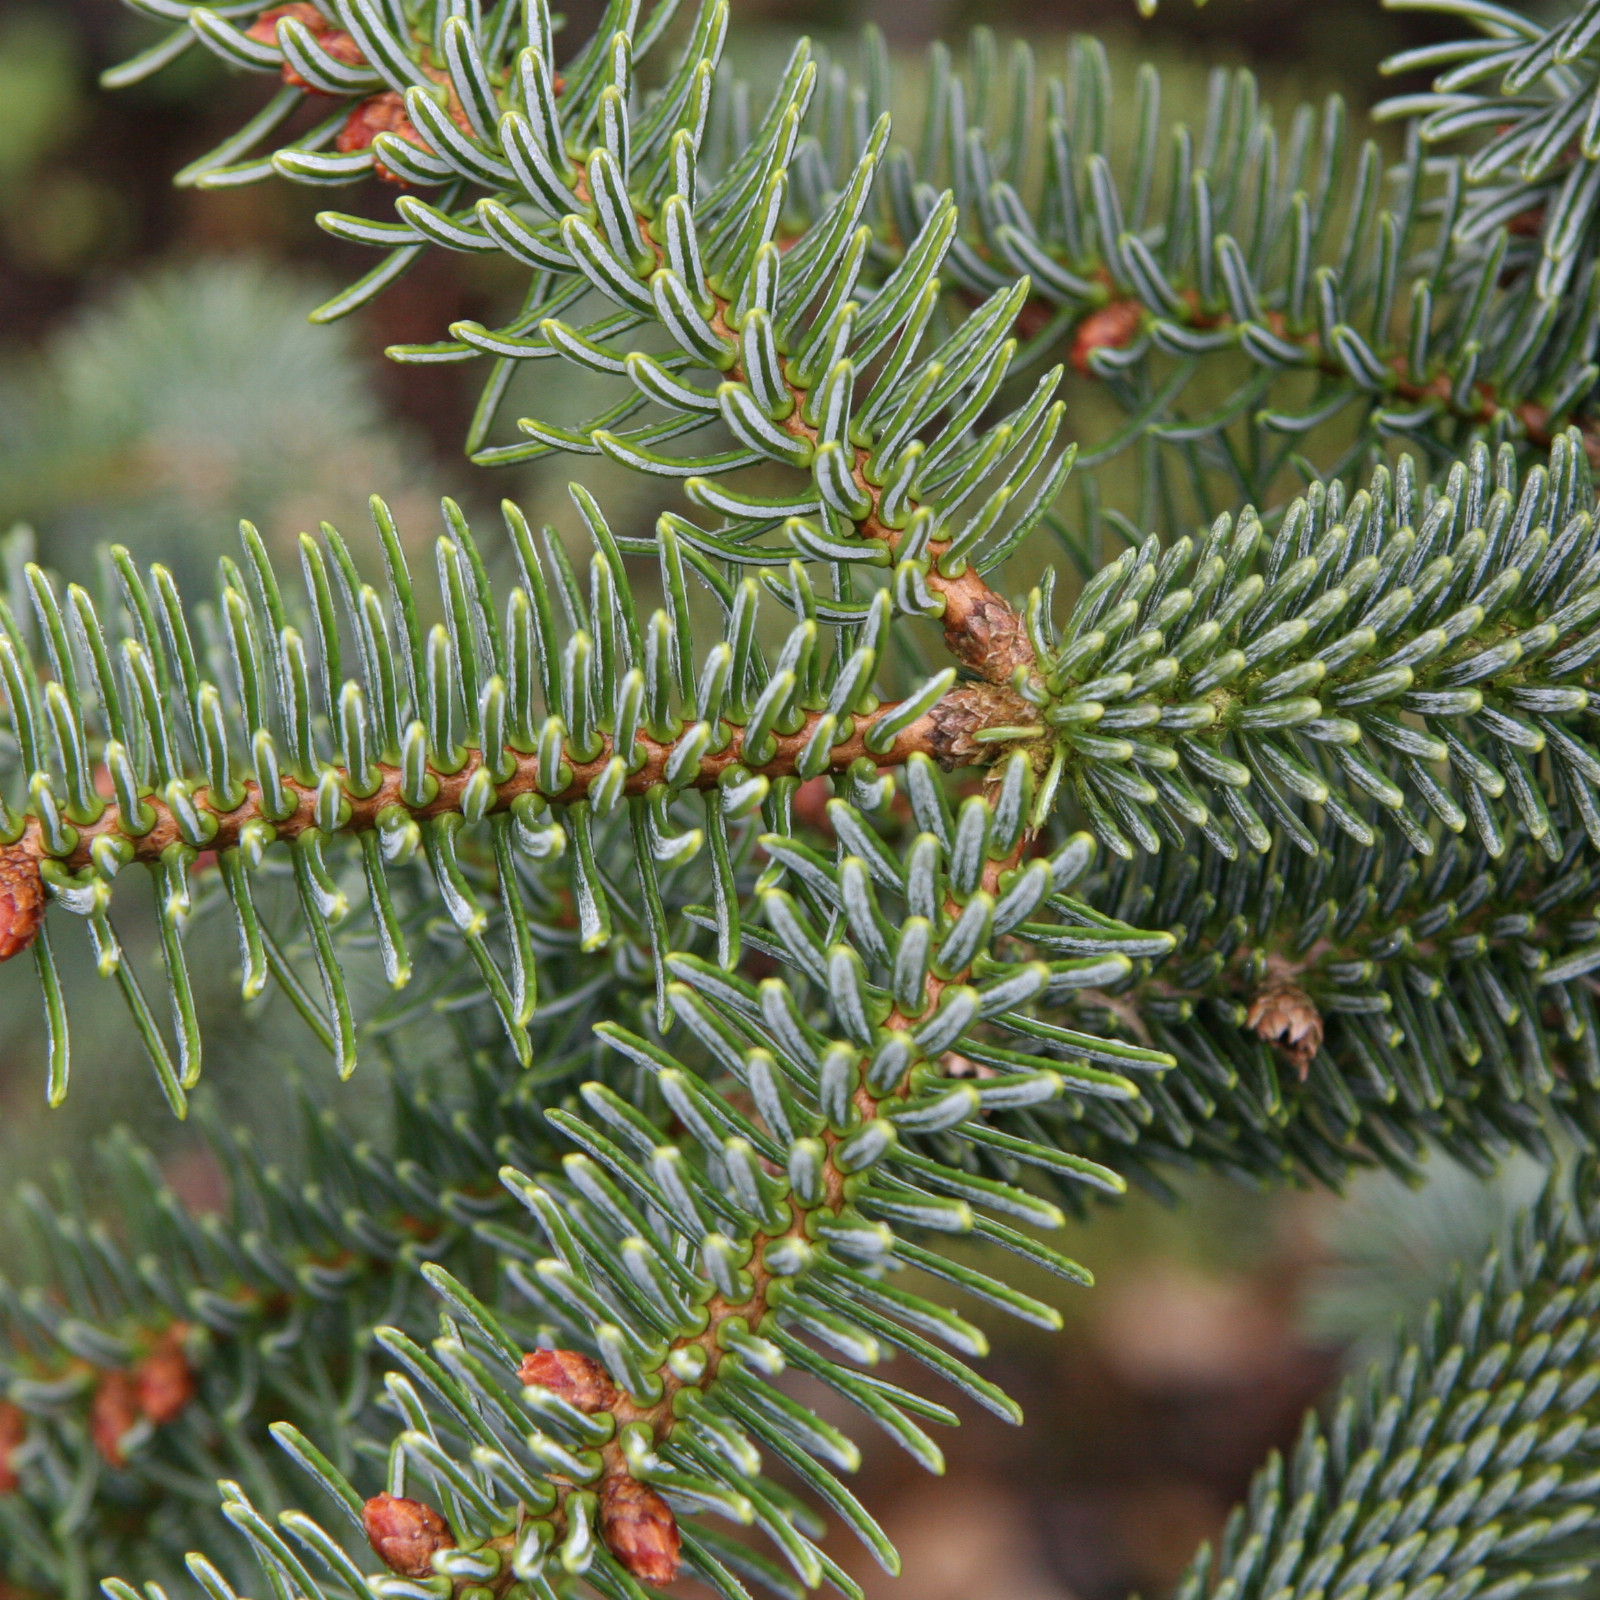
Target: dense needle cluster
x=771 y=895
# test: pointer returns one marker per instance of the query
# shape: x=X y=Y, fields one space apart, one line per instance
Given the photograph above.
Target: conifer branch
x=643 y=1534
x=1453 y=1001
x=1336 y=754
x=1395 y=316
x=797 y=1230
x=252 y=1316
x=1193 y=688
x=1465 y=1464
x=296 y=812
x=1123 y=319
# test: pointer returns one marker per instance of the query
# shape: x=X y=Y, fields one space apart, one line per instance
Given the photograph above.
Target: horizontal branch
x=945 y=733
x=1116 y=322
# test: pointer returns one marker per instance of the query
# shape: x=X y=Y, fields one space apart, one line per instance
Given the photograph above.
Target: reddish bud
x=336 y=43
x=640 y=1530
x=113 y=1414
x=331 y=41
x=381 y=113
x=21 y=902
x=264 y=30
x=579 y=1381
x=13 y=1432
x=1112 y=327
x=386 y=113
x=164 y=1379
x=1284 y=1014
x=342 y=47
x=405 y=1533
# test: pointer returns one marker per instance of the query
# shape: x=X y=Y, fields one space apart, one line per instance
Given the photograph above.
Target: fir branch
x=1533 y=144
x=1269 y=658
x=1464 y=1466
x=1476 y=622
x=1301 y=256
x=843 y=1164
x=612 y=734
x=1452 y=1001
x=296 y=812
x=148 y=1359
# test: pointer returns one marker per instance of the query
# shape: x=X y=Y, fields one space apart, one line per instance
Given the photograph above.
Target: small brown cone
x=405 y=1534
x=1283 y=1014
x=1112 y=327
x=113 y=1413
x=640 y=1530
x=264 y=30
x=21 y=902
x=164 y=1379
x=13 y=1433
x=380 y=113
x=386 y=113
x=579 y=1380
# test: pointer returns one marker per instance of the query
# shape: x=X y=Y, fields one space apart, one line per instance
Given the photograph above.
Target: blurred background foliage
x=158 y=381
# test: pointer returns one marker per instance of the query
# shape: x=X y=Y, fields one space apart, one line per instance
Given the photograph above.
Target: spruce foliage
x=794 y=897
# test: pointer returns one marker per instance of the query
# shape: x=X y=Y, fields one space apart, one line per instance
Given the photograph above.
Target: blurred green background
x=158 y=381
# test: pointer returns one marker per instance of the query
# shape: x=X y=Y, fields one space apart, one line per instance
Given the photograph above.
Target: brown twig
x=1117 y=322
x=928 y=734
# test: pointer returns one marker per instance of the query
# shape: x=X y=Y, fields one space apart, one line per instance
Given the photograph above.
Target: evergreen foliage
x=1464 y=1465
x=773 y=945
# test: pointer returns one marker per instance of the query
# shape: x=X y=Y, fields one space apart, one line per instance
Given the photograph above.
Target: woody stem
x=297 y=809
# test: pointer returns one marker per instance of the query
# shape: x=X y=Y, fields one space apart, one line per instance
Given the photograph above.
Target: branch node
x=21 y=899
x=1283 y=1014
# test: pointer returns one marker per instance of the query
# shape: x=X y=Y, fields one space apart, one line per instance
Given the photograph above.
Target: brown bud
x=342 y=47
x=639 y=1529
x=405 y=1533
x=331 y=41
x=969 y=708
x=985 y=634
x=13 y=1432
x=113 y=1413
x=386 y=113
x=21 y=901
x=580 y=1381
x=1282 y=1013
x=1112 y=327
x=164 y=1379
x=264 y=30
x=380 y=113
